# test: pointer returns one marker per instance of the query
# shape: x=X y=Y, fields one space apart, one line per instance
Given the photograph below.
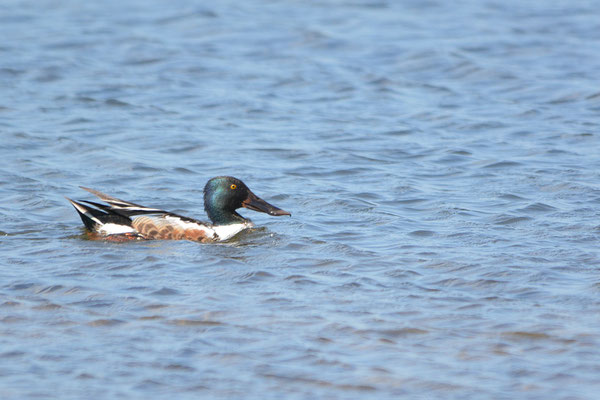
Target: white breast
x=115 y=229
x=228 y=231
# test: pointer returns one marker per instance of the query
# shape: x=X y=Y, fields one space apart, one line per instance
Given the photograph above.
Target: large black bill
x=253 y=202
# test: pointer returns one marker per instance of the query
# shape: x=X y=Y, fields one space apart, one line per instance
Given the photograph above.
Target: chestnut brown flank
x=195 y=234
x=152 y=229
x=122 y=237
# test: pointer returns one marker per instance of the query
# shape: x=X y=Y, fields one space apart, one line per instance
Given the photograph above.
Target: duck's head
x=225 y=194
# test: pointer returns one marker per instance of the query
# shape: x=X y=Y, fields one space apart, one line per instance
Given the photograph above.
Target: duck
x=119 y=220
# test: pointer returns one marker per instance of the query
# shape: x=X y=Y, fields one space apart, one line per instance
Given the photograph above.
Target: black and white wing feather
x=121 y=207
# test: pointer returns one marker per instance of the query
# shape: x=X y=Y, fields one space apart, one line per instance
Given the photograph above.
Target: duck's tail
x=96 y=219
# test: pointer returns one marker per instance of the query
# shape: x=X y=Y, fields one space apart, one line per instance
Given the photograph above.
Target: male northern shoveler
x=222 y=196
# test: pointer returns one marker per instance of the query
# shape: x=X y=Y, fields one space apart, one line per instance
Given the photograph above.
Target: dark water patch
x=47 y=307
x=565 y=98
x=509 y=220
x=537 y=208
x=318 y=382
x=151 y=317
x=11 y=72
x=410 y=201
x=143 y=61
x=422 y=233
x=255 y=276
x=12 y=354
x=165 y=292
x=194 y=322
x=484 y=126
x=400 y=132
x=78 y=121
x=512 y=197
x=527 y=336
x=179 y=367
x=10 y=304
x=185 y=149
x=20 y=286
x=453 y=159
x=93 y=304
x=106 y=322
x=116 y=103
x=300 y=280
x=402 y=332
x=86 y=99
x=503 y=164
x=49 y=289
x=12 y=319
x=138 y=288
x=156 y=306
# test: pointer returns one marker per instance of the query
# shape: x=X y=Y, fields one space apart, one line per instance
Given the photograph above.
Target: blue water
x=440 y=159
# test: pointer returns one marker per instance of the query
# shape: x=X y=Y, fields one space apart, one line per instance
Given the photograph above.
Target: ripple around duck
x=255 y=276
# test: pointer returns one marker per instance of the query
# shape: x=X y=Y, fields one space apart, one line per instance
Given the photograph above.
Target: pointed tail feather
x=92 y=219
x=121 y=207
x=97 y=220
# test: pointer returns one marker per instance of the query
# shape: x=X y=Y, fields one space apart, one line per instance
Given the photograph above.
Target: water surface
x=440 y=160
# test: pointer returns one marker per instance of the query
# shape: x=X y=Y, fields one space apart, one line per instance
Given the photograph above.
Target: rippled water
x=440 y=159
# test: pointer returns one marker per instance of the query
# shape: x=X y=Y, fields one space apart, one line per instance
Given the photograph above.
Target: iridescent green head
x=225 y=194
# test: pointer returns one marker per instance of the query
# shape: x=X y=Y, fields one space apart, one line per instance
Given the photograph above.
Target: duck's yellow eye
x=233 y=186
